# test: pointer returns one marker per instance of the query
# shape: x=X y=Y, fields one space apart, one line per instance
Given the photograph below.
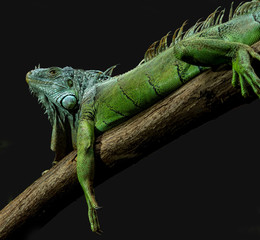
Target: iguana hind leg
x=210 y=52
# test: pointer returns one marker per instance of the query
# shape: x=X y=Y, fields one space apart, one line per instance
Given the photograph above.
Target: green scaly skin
x=81 y=104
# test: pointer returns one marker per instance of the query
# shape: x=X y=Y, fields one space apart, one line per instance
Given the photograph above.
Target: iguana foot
x=243 y=72
x=93 y=219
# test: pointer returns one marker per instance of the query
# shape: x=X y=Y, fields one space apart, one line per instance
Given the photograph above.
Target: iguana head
x=57 y=90
x=54 y=87
x=61 y=91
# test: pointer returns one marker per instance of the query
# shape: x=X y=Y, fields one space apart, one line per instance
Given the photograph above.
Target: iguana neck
x=64 y=123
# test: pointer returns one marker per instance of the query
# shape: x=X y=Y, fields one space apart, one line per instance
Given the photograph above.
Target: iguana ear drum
x=69 y=102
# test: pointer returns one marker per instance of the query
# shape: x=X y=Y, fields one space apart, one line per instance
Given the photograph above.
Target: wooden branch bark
x=204 y=98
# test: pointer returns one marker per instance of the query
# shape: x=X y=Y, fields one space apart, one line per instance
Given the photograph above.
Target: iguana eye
x=69 y=102
x=52 y=72
x=70 y=83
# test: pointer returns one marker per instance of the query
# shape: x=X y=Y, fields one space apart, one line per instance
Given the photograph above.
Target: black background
x=205 y=184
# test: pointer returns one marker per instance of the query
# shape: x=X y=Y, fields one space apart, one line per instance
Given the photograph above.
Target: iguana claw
x=93 y=219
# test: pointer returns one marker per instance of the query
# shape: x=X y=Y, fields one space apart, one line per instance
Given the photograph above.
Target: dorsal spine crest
x=212 y=20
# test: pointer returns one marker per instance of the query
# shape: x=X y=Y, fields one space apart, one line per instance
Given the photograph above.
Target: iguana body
x=81 y=104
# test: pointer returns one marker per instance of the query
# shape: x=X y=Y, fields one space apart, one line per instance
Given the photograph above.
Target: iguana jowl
x=81 y=104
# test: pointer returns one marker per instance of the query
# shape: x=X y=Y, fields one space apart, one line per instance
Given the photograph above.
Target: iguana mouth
x=29 y=80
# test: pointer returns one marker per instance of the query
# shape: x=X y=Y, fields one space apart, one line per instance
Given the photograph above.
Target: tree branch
x=205 y=97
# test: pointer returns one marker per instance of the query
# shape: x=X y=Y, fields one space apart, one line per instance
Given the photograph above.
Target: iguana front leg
x=86 y=166
x=210 y=52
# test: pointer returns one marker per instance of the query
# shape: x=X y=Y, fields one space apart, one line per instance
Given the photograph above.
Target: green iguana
x=81 y=104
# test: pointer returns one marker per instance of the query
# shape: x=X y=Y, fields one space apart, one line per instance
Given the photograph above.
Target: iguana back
x=121 y=97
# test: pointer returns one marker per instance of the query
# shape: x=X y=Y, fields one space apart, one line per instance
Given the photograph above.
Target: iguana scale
x=82 y=104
